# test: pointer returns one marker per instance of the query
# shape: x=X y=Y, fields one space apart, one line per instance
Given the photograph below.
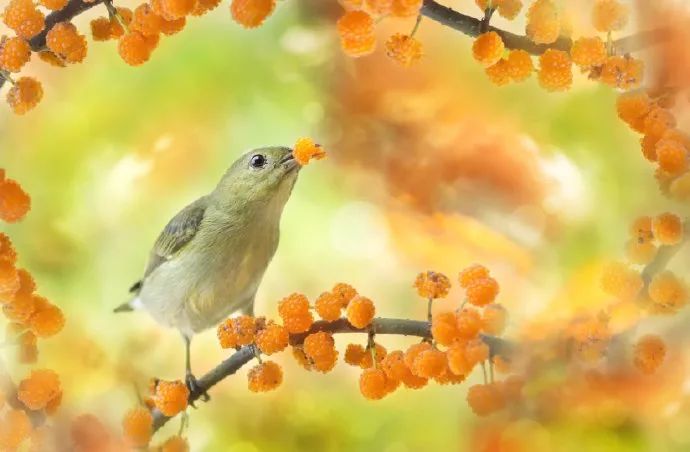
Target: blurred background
x=429 y=168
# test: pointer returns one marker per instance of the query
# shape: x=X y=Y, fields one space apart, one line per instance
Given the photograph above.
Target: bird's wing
x=177 y=233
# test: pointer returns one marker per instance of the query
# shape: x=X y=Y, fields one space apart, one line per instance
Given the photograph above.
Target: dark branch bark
x=69 y=12
x=399 y=327
x=473 y=27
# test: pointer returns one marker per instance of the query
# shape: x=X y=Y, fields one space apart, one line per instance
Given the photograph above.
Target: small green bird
x=210 y=258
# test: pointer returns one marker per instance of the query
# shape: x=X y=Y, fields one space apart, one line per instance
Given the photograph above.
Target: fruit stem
x=113 y=12
x=416 y=25
x=6 y=75
x=484 y=372
x=428 y=310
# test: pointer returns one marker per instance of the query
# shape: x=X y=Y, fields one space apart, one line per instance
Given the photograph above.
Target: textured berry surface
x=134 y=49
x=649 y=353
x=404 y=49
x=667 y=292
x=432 y=285
x=171 y=397
x=667 y=228
x=482 y=291
x=66 y=42
x=555 y=70
x=360 y=312
x=272 y=339
x=621 y=281
x=24 y=18
x=609 y=15
x=24 y=95
x=588 y=52
x=406 y=8
x=372 y=384
x=488 y=48
x=543 y=22
x=265 y=377
x=39 y=388
x=137 y=426
x=305 y=150
x=469 y=275
x=14 y=54
x=251 y=13
x=294 y=310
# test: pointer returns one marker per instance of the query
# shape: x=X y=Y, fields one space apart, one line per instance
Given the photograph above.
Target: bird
x=210 y=258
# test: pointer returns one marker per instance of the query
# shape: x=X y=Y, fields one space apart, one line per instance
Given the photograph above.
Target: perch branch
x=400 y=327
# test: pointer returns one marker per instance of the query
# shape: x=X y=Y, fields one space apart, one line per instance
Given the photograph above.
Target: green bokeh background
x=113 y=151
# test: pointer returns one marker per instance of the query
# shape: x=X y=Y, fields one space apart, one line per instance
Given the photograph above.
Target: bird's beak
x=290 y=163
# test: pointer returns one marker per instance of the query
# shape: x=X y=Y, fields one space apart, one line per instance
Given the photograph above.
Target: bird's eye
x=258 y=161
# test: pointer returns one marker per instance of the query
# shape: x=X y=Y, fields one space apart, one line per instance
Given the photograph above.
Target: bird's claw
x=194 y=388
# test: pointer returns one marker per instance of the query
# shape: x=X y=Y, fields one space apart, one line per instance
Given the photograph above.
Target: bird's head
x=262 y=176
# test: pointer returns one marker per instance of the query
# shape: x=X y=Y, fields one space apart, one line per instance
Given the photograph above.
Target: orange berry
x=39 y=388
x=273 y=338
x=469 y=323
x=482 y=292
x=14 y=54
x=15 y=427
x=406 y=8
x=432 y=285
x=301 y=357
x=469 y=275
x=354 y=354
x=588 y=52
x=622 y=72
x=21 y=308
x=116 y=29
x=555 y=70
x=672 y=156
x=251 y=13
x=306 y=150
x=680 y=187
x=404 y=49
x=47 y=320
x=668 y=229
x=446 y=376
x=146 y=21
x=444 y=328
x=372 y=384
x=486 y=399
x=360 y=312
x=320 y=349
x=265 y=377
x=649 y=353
x=355 y=25
x=328 y=306
x=9 y=281
x=358 y=47
x=413 y=351
x=667 y=292
x=174 y=9
x=494 y=319
x=54 y=4
x=7 y=252
x=368 y=360
x=89 y=434
x=173 y=26
x=24 y=18
x=641 y=229
x=100 y=29
x=14 y=201
x=640 y=253
x=49 y=57
x=204 y=6
x=543 y=23
x=134 y=49
x=171 y=397
x=175 y=443
x=499 y=73
x=429 y=363
x=488 y=48
x=609 y=15
x=294 y=310
x=137 y=426
x=393 y=364
x=621 y=281
x=66 y=42
x=24 y=95
x=378 y=7
x=509 y=8
x=237 y=331
x=344 y=292
x=657 y=122
x=476 y=351
x=633 y=107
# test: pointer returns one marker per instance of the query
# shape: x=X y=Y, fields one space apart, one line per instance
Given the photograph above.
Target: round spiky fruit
x=14 y=201
x=273 y=338
x=372 y=384
x=482 y=291
x=471 y=274
x=649 y=353
x=14 y=54
x=137 y=426
x=555 y=70
x=39 y=388
x=265 y=377
x=404 y=49
x=294 y=310
x=171 y=397
x=543 y=22
x=432 y=285
x=609 y=15
x=406 y=8
x=24 y=18
x=668 y=228
x=360 y=312
x=65 y=41
x=23 y=97
x=588 y=52
x=488 y=48
x=251 y=13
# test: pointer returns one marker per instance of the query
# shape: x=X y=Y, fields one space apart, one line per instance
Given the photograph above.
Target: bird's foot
x=194 y=388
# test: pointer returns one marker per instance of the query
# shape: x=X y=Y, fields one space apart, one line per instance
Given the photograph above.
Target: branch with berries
x=58 y=42
x=382 y=326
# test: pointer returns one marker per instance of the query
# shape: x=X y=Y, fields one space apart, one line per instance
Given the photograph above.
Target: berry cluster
x=356 y=28
x=30 y=317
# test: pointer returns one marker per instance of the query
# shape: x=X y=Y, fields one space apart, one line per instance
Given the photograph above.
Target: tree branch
x=471 y=26
x=69 y=12
x=400 y=327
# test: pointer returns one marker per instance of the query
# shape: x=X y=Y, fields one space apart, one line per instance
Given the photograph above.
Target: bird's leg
x=190 y=379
